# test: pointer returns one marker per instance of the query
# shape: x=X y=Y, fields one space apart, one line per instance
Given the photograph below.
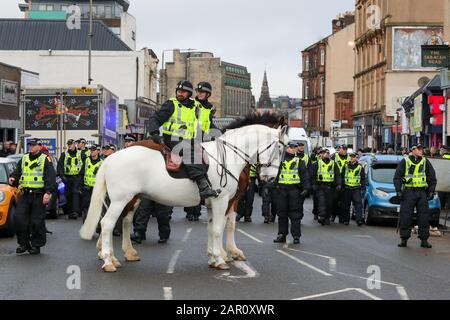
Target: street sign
x=85 y=90
x=435 y=56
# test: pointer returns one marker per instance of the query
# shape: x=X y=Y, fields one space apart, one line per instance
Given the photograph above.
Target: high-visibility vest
x=446 y=156
x=415 y=174
x=305 y=159
x=90 y=172
x=182 y=122
x=289 y=172
x=341 y=162
x=325 y=172
x=33 y=172
x=253 y=172
x=353 y=176
x=314 y=159
x=204 y=116
x=73 y=165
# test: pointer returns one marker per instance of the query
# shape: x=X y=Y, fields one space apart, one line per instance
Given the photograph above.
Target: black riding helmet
x=204 y=87
x=186 y=86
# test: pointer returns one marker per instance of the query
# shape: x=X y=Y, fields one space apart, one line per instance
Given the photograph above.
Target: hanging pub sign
x=435 y=53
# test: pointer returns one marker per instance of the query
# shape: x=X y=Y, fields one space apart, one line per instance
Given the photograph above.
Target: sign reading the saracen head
x=44 y=113
x=9 y=92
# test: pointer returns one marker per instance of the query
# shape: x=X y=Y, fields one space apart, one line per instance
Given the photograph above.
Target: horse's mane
x=265 y=118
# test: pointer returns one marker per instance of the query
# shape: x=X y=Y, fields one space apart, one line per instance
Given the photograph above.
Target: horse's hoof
x=132 y=258
x=239 y=257
x=223 y=266
x=116 y=263
x=212 y=265
x=228 y=259
x=109 y=268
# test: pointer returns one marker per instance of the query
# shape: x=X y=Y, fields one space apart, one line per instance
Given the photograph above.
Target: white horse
x=139 y=171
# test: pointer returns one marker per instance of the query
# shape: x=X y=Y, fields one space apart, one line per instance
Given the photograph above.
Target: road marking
x=245 y=267
x=168 y=293
x=363 y=236
x=364 y=292
x=305 y=264
x=249 y=235
x=186 y=236
x=173 y=262
x=364 y=278
x=331 y=260
x=402 y=293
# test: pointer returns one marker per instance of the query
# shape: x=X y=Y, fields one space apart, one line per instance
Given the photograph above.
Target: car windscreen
x=384 y=172
x=3 y=174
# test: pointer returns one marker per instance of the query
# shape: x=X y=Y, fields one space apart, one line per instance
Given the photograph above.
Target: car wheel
x=369 y=219
x=8 y=231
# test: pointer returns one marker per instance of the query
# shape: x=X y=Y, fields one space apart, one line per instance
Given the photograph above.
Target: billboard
x=407 y=46
x=81 y=112
x=110 y=118
x=9 y=92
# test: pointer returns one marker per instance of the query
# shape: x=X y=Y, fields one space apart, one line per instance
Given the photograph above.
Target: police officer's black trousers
x=193 y=211
x=315 y=209
x=338 y=208
x=192 y=154
x=414 y=198
x=444 y=198
x=146 y=209
x=86 y=195
x=352 y=195
x=325 y=201
x=269 y=202
x=290 y=206
x=29 y=220
x=72 y=191
x=250 y=197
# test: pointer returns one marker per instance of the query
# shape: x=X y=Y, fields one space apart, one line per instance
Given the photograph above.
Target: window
x=322 y=86
x=100 y=11
x=322 y=56
x=133 y=35
x=42 y=7
x=307 y=63
x=64 y=7
x=50 y=7
x=108 y=12
x=307 y=91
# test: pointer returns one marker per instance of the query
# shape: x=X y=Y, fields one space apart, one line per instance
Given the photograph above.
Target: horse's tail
x=95 y=209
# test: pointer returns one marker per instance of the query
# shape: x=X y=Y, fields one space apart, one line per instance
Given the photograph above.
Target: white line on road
x=340 y=291
x=305 y=263
x=186 y=236
x=331 y=260
x=173 y=262
x=249 y=271
x=249 y=235
x=402 y=293
x=168 y=293
x=364 y=278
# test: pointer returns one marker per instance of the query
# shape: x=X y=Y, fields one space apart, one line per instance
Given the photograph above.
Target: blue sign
x=49 y=143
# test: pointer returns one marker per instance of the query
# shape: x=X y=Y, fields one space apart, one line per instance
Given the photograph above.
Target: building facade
x=232 y=95
x=114 y=13
x=10 y=83
x=388 y=68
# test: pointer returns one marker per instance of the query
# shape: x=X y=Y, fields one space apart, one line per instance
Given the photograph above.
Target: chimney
x=342 y=21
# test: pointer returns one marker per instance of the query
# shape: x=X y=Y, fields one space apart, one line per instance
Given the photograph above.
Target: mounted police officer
x=326 y=179
x=91 y=167
x=179 y=121
x=341 y=159
x=354 y=181
x=416 y=174
x=293 y=185
x=36 y=178
x=70 y=169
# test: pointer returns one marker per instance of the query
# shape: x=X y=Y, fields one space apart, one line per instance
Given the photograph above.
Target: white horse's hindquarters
x=148 y=165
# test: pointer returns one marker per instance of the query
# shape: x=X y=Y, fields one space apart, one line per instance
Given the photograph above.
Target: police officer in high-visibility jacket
x=70 y=169
x=326 y=180
x=293 y=185
x=354 y=181
x=36 y=178
x=245 y=209
x=91 y=167
x=417 y=176
x=303 y=156
x=179 y=126
x=313 y=159
x=341 y=159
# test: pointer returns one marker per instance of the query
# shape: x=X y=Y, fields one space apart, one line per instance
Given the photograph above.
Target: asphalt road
x=334 y=262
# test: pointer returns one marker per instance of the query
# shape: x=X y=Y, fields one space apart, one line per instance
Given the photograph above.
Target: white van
x=299 y=135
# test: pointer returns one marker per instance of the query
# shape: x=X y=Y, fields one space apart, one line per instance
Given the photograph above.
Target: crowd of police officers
x=335 y=183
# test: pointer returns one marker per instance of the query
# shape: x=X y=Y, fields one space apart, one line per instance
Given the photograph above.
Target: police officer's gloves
x=304 y=193
x=430 y=196
x=156 y=138
x=400 y=196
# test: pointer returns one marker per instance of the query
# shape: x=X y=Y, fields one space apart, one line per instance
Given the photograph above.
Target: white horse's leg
x=224 y=253
x=99 y=246
x=131 y=254
x=236 y=253
x=107 y=223
x=211 y=259
x=219 y=207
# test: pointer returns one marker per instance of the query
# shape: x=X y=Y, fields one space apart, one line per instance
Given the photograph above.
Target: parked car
x=8 y=198
x=58 y=198
x=380 y=196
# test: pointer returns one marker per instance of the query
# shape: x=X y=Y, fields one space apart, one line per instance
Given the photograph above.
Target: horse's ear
x=284 y=131
x=282 y=122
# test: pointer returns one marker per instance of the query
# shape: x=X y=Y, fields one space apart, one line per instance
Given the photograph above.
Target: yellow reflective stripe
x=33 y=178
x=288 y=175
x=416 y=179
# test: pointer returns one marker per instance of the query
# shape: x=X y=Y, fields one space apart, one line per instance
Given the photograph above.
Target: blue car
x=379 y=202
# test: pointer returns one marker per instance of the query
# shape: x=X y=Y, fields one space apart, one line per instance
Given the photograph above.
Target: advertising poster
x=42 y=112
x=9 y=92
x=110 y=118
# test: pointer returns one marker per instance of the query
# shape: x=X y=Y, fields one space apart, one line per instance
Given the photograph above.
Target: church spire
x=264 y=99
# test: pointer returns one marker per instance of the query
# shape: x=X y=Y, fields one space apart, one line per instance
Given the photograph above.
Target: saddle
x=173 y=161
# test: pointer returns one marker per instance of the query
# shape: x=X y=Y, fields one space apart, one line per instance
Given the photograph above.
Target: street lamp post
x=90 y=36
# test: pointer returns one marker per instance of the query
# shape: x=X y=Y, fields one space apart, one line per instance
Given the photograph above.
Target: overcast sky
x=258 y=34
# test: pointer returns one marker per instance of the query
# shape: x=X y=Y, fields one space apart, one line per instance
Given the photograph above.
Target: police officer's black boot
x=205 y=189
x=22 y=249
x=137 y=237
x=426 y=244
x=296 y=240
x=266 y=219
x=280 y=239
x=34 y=250
x=403 y=243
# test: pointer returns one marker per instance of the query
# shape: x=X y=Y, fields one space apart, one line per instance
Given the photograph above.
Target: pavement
x=333 y=262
